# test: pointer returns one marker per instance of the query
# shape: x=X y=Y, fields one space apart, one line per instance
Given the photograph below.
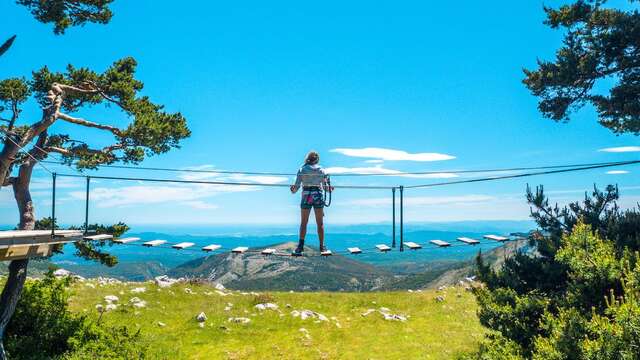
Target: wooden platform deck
x=240 y=250
x=440 y=243
x=469 y=241
x=383 y=247
x=212 y=247
x=126 y=240
x=412 y=245
x=154 y=243
x=24 y=244
x=355 y=250
x=183 y=245
x=496 y=238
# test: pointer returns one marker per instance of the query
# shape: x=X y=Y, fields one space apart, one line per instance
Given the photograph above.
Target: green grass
x=434 y=330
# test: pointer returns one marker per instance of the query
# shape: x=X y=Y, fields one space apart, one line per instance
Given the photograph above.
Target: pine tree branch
x=87 y=123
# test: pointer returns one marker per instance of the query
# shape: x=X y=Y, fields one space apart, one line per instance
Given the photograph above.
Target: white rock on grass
x=368 y=312
x=161 y=324
x=394 y=317
x=111 y=299
x=239 y=320
x=266 y=306
x=138 y=290
x=138 y=303
x=90 y=285
x=165 y=281
x=61 y=273
x=384 y=310
x=110 y=307
x=308 y=314
x=439 y=298
x=219 y=287
x=201 y=317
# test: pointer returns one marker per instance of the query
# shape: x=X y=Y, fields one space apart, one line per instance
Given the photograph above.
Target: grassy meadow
x=433 y=329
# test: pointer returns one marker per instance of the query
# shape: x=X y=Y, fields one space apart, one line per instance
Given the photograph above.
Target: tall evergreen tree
x=601 y=49
x=150 y=130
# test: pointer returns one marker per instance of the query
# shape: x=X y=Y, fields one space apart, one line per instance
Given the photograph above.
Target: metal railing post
x=401 y=218
x=86 y=207
x=393 y=191
x=53 y=205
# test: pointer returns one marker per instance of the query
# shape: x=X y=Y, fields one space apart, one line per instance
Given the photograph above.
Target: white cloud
x=61 y=183
x=621 y=149
x=374 y=161
x=391 y=154
x=212 y=176
x=191 y=195
x=426 y=200
x=375 y=170
x=617 y=172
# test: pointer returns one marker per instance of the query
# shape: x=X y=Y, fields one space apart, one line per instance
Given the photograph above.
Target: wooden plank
x=326 y=253
x=35 y=237
x=212 y=247
x=469 y=241
x=440 y=243
x=240 y=250
x=126 y=240
x=182 y=245
x=98 y=237
x=383 y=247
x=268 y=251
x=15 y=234
x=19 y=252
x=412 y=245
x=154 y=243
x=354 y=250
x=496 y=238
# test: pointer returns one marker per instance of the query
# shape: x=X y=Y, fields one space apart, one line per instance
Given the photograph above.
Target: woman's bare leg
x=304 y=219
x=319 y=212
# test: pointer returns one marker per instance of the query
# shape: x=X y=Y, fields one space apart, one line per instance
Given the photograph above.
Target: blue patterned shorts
x=312 y=199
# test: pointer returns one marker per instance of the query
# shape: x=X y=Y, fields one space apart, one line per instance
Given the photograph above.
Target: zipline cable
x=232 y=183
x=39 y=162
x=205 y=182
x=346 y=174
x=621 y=163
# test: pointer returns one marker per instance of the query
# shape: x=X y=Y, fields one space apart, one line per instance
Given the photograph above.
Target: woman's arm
x=296 y=186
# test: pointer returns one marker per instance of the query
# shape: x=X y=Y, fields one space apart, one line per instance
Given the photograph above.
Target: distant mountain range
x=311 y=272
x=366 y=271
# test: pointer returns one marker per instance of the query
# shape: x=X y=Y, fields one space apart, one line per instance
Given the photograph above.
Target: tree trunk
x=11 y=295
x=18 y=268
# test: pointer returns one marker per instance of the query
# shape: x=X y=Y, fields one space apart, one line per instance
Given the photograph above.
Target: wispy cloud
x=617 y=172
x=374 y=170
x=189 y=195
x=426 y=200
x=391 y=154
x=212 y=176
x=621 y=149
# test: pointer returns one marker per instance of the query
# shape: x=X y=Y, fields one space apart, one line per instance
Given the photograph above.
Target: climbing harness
x=326 y=196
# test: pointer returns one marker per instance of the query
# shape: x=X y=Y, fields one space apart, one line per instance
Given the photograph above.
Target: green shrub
x=44 y=328
x=575 y=293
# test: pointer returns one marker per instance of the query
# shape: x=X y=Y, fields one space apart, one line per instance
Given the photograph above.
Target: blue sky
x=263 y=83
